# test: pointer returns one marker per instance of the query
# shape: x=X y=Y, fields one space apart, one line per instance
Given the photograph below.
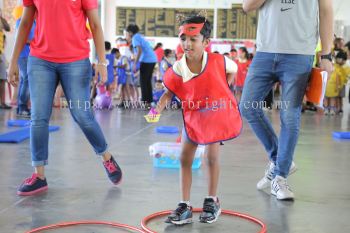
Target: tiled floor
x=80 y=190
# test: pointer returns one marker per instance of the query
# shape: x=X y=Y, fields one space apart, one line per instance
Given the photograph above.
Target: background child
x=243 y=63
x=110 y=57
x=201 y=78
x=166 y=62
x=336 y=83
x=123 y=71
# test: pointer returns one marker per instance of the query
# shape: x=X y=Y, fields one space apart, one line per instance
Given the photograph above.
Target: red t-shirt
x=61 y=34
x=159 y=53
x=241 y=72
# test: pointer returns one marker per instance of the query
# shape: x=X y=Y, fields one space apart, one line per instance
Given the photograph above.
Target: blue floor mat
x=167 y=129
x=20 y=135
x=341 y=135
x=18 y=123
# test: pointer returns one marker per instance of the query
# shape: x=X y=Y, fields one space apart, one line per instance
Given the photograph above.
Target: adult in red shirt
x=60 y=53
x=243 y=63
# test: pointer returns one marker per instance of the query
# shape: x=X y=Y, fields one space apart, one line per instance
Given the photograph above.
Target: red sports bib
x=209 y=108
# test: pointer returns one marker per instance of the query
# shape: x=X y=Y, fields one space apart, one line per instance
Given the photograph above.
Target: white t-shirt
x=180 y=67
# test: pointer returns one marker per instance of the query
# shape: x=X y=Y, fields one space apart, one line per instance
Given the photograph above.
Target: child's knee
x=186 y=159
x=212 y=160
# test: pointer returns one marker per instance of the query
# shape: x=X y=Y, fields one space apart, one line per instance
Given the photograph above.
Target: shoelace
x=30 y=180
x=209 y=207
x=283 y=184
x=180 y=210
x=110 y=166
x=269 y=172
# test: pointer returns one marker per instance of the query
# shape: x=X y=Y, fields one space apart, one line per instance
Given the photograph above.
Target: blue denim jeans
x=292 y=71
x=75 y=79
x=23 y=89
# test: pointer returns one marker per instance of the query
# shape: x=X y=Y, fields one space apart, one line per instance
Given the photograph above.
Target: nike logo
x=285 y=9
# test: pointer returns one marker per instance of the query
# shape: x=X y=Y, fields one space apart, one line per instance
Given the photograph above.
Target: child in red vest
x=201 y=81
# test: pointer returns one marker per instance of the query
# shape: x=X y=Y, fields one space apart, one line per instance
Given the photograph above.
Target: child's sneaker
x=326 y=111
x=211 y=211
x=113 y=170
x=32 y=186
x=332 y=112
x=24 y=114
x=182 y=215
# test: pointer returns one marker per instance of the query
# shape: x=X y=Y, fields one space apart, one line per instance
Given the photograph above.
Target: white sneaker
x=265 y=182
x=280 y=189
x=332 y=112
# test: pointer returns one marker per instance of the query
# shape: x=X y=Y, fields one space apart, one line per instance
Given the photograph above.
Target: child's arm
x=230 y=77
x=231 y=70
x=163 y=101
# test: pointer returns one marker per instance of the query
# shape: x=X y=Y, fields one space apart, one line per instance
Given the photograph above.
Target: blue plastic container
x=167 y=154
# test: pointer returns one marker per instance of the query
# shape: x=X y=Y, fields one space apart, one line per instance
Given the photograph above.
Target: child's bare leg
x=213 y=168
x=187 y=155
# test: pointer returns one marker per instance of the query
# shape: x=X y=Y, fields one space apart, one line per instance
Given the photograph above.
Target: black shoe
x=113 y=171
x=5 y=106
x=182 y=215
x=32 y=186
x=211 y=211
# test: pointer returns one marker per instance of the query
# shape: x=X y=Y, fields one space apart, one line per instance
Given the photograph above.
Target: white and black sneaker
x=211 y=211
x=265 y=182
x=281 y=189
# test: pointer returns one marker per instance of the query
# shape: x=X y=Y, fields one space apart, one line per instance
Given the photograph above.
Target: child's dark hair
x=244 y=49
x=158 y=45
x=167 y=52
x=133 y=28
x=107 y=45
x=341 y=55
x=206 y=30
x=114 y=51
x=159 y=81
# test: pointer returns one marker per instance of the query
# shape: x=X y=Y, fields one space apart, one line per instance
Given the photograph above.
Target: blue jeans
x=292 y=71
x=23 y=90
x=75 y=79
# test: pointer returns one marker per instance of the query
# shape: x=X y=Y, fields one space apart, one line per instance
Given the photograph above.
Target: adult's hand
x=101 y=70
x=13 y=74
x=327 y=66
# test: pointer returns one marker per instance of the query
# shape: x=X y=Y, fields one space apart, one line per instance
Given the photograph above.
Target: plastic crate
x=167 y=154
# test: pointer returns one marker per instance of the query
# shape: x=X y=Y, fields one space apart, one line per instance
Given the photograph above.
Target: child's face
x=193 y=46
x=340 y=61
x=159 y=86
x=170 y=55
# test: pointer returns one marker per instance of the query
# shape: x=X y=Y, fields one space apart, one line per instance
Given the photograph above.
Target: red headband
x=191 y=29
